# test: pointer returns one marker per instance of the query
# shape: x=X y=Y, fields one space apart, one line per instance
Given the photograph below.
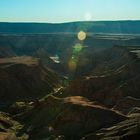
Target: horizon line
x=41 y=22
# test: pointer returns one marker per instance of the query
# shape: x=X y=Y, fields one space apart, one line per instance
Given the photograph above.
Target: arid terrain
x=54 y=86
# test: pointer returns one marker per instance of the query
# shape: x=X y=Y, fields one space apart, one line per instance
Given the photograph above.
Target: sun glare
x=88 y=16
x=72 y=64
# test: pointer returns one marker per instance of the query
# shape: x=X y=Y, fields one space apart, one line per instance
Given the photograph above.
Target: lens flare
x=77 y=48
x=72 y=64
x=81 y=35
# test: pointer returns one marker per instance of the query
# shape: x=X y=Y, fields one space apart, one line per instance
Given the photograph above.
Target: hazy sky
x=68 y=10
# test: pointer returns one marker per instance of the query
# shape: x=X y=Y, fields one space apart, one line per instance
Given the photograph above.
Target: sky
x=59 y=11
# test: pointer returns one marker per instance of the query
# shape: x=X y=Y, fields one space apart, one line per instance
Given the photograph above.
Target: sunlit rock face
x=73 y=117
x=125 y=130
x=9 y=128
x=55 y=58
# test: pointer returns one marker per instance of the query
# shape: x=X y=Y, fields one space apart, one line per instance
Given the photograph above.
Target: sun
x=81 y=35
x=88 y=16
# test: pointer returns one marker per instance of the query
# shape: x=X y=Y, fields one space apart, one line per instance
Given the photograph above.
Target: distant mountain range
x=115 y=27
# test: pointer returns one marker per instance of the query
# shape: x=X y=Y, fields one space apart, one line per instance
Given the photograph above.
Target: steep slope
x=127 y=105
x=25 y=78
x=9 y=128
x=110 y=86
x=126 y=130
x=70 y=117
x=103 y=62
